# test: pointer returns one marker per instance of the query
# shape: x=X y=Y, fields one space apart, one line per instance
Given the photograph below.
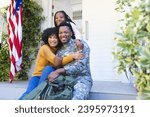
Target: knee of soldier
x=81 y=91
x=80 y=96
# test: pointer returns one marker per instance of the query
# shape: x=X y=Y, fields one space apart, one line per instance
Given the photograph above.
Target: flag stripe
x=15 y=36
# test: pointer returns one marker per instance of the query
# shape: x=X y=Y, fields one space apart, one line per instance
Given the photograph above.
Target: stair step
x=109 y=90
x=101 y=90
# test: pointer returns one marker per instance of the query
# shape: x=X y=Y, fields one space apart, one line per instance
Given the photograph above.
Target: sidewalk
x=12 y=91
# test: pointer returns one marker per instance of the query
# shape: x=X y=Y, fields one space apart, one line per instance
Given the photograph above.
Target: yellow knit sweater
x=46 y=57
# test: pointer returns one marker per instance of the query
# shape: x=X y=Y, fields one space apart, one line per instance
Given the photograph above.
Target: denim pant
x=36 y=80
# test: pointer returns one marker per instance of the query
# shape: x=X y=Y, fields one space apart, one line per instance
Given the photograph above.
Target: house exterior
x=97 y=21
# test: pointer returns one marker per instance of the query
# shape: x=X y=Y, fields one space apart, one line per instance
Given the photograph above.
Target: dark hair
x=67 y=18
x=69 y=26
x=49 y=32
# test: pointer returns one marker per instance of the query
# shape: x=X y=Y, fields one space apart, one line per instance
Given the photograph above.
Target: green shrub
x=133 y=43
x=31 y=34
x=4 y=60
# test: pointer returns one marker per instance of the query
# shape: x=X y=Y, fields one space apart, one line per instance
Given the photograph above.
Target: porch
x=101 y=90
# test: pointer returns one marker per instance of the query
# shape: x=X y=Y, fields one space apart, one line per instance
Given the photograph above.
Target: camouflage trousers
x=81 y=90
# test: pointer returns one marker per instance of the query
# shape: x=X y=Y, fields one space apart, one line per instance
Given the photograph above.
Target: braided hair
x=67 y=18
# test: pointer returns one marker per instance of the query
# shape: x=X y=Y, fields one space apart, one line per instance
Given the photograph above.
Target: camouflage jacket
x=78 y=68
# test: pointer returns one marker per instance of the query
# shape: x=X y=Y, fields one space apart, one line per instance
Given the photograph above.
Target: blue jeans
x=36 y=80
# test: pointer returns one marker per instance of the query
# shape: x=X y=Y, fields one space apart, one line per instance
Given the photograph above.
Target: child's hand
x=79 y=44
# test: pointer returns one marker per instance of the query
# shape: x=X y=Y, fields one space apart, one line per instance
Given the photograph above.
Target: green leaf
x=136 y=13
x=148 y=27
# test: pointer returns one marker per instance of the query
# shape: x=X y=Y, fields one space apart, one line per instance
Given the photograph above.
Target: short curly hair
x=49 y=32
x=69 y=26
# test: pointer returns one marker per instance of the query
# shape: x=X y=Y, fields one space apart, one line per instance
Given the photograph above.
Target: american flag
x=14 y=18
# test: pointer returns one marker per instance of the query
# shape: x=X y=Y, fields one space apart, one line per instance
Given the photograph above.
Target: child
x=61 y=17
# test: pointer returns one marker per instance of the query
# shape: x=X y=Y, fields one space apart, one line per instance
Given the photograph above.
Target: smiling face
x=64 y=34
x=59 y=18
x=53 y=41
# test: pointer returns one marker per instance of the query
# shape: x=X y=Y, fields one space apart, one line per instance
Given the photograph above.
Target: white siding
x=4 y=3
x=62 y=5
x=102 y=24
x=47 y=12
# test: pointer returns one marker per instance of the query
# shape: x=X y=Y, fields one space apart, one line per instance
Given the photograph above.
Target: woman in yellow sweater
x=46 y=56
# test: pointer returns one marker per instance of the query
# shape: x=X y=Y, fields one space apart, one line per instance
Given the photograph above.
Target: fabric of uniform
x=80 y=69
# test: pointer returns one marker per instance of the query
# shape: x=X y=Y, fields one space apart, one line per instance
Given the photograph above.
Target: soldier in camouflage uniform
x=79 y=69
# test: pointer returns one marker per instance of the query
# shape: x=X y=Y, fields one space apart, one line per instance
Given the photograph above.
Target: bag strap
x=46 y=91
x=35 y=93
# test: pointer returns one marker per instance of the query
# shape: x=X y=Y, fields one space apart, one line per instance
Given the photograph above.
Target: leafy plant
x=133 y=43
x=4 y=60
x=31 y=36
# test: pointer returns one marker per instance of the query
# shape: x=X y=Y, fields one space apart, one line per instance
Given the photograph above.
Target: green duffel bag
x=60 y=89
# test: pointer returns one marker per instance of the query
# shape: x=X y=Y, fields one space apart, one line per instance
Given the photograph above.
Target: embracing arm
x=79 y=65
x=74 y=69
x=59 y=61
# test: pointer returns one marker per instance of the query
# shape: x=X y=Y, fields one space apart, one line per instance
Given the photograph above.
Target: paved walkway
x=12 y=91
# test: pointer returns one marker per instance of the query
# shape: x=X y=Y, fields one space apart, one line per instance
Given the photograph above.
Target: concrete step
x=106 y=90
x=12 y=91
x=101 y=90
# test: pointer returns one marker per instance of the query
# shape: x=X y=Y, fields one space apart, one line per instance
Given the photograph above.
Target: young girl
x=61 y=17
x=47 y=57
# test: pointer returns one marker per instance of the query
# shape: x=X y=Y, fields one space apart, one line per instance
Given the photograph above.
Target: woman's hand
x=78 y=55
